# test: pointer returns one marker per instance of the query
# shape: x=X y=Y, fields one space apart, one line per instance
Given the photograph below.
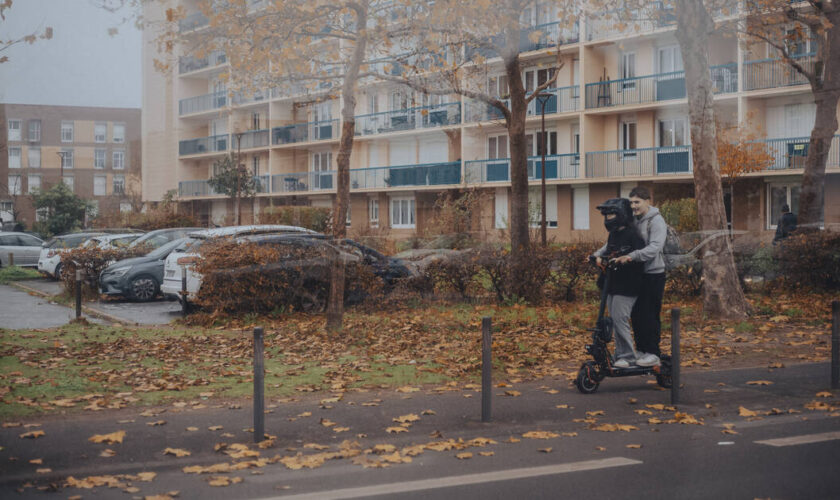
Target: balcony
x=212 y=144
x=426 y=174
x=188 y=64
x=773 y=73
x=790 y=153
x=202 y=103
x=563 y=100
x=195 y=188
x=724 y=78
x=563 y=166
x=262 y=184
x=670 y=160
x=251 y=139
x=636 y=90
x=549 y=35
x=612 y=23
x=241 y=98
x=439 y=115
x=301 y=182
x=305 y=132
x=192 y=22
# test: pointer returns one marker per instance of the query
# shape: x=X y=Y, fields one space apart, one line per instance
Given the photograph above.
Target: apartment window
x=373 y=212
x=348 y=219
x=66 y=131
x=94 y=208
x=14 y=185
x=402 y=213
x=34 y=157
x=119 y=133
x=580 y=207
x=14 y=130
x=118 y=160
x=34 y=130
x=672 y=132
x=321 y=164
x=497 y=86
x=628 y=139
x=255 y=121
x=68 y=181
x=34 y=182
x=100 y=132
x=535 y=207
x=628 y=70
x=100 y=185
x=255 y=165
x=669 y=59
x=497 y=147
x=14 y=157
x=66 y=158
x=779 y=194
x=119 y=184
x=99 y=158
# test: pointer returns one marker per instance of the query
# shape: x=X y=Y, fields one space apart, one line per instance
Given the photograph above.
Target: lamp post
x=239 y=170
x=542 y=144
x=61 y=156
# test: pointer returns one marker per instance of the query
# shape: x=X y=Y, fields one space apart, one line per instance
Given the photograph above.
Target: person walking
x=786 y=225
x=647 y=325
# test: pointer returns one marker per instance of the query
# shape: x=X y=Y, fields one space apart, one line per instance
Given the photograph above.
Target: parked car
x=49 y=262
x=111 y=240
x=159 y=237
x=180 y=256
x=24 y=249
x=138 y=278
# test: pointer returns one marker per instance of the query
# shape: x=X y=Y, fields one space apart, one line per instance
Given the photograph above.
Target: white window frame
x=29 y=180
x=319 y=166
x=628 y=70
x=29 y=154
x=771 y=223
x=624 y=137
x=14 y=129
x=70 y=182
x=34 y=134
x=67 y=132
x=118 y=138
x=347 y=220
x=405 y=209
x=118 y=159
x=255 y=165
x=118 y=184
x=67 y=160
x=100 y=185
x=497 y=147
x=673 y=123
x=99 y=154
x=498 y=86
x=580 y=208
x=535 y=203
x=14 y=156
x=672 y=58
x=373 y=212
x=97 y=136
x=14 y=186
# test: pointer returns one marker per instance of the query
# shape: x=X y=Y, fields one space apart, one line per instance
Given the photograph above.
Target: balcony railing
x=637 y=90
x=262 y=183
x=563 y=166
x=724 y=78
x=192 y=21
x=305 y=132
x=426 y=174
x=550 y=35
x=639 y=162
x=772 y=73
x=439 y=115
x=210 y=144
x=187 y=64
x=302 y=182
x=251 y=139
x=201 y=103
x=563 y=99
x=195 y=188
x=792 y=152
x=239 y=98
x=614 y=23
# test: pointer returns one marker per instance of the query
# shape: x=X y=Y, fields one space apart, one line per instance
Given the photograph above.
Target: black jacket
x=787 y=225
x=625 y=279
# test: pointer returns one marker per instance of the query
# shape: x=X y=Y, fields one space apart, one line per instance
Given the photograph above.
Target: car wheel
x=143 y=288
x=58 y=269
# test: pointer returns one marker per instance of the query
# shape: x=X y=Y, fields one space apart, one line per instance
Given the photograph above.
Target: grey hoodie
x=654 y=238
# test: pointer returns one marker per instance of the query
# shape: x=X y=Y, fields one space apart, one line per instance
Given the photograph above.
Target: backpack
x=672 y=238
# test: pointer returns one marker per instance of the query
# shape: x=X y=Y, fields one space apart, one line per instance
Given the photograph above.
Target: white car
x=49 y=262
x=186 y=254
x=112 y=240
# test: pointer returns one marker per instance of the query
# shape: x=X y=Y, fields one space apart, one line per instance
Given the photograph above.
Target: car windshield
x=71 y=241
x=164 y=250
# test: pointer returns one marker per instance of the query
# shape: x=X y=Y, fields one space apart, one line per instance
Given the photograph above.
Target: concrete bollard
x=486 y=369
x=11 y=259
x=835 y=344
x=184 y=304
x=78 y=293
x=675 y=355
x=259 y=385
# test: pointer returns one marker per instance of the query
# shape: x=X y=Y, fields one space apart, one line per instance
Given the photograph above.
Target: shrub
x=571 y=268
x=680 y=214
x=454 y=274
x=315 y=218
x=684 y=281
x=810 y=260
x=92 y=261
x=760 y=262
x=512 y=281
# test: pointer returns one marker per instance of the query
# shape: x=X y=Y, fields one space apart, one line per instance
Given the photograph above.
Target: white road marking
x=804 y=439
x=467 y=479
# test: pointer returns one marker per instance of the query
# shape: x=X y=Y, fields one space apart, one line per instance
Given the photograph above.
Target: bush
x=570 y=269
x=512 y=281
x=684 y=281
x=454 y=274
x=92 y=261
x=315 y=218
x=760 y=262
x=680 y=214
x=810 y=260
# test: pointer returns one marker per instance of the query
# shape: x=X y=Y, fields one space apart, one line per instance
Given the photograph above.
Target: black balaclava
x=623 y=213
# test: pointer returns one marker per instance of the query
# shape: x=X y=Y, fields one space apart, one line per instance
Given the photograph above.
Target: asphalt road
x=18 y=309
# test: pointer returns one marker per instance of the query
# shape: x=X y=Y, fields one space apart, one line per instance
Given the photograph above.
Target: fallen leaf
x=745 y=412
x=327 y=422
x=36 y=461
x=428 y=412
x=824 y=394
x=759 y=382
x=545 y=450
x=513 y=393
x=600 y=448
x=395 y=430
x=407 y=388
x=114 y=437
x=107 y=453
x=614 y=427
x=32 y=434
x=561 y=406
x=45 y=470
x=486 y=453
x=540 y=435
x=156 y=423
x=178 y=452
x=464 y=456
x=633 y=446
x=192 y=429
x=341 y=429
x=316 y=446
x=215 y=428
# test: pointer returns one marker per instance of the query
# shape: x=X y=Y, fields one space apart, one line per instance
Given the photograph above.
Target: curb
x=85 y=309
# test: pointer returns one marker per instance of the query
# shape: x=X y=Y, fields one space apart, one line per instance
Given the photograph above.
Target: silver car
x=23 y=248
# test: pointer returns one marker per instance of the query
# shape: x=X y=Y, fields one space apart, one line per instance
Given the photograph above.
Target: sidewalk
x=713 y=398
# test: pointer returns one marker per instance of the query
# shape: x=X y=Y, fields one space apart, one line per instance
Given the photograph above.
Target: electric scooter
x=593 y=372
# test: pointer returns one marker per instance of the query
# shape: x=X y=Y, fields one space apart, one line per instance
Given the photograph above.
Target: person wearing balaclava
x=625 y=279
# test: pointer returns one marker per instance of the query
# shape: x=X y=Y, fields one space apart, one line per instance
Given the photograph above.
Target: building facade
x=617 y=118
x=94 y=151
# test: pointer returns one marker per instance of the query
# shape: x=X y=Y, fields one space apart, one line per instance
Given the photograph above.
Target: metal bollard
x=78 y=293
x=259 y=385
x=486 y=369
x=11 y=259
x=835 y=344
x=184 y=305
x=675 y=355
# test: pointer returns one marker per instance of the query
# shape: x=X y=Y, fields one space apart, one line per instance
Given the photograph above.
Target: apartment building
x=617 y=118
x=94 y=151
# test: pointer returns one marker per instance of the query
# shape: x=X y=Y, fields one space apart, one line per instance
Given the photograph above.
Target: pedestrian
x=647 y=325
x=624 y=283
x=786 y=225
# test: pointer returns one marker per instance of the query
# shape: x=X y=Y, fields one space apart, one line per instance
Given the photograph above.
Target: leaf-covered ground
x=92 y=367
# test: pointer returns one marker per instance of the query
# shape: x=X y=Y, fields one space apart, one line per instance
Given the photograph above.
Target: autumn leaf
x=595 y=413
x=315 y=446
x=633 y=446
x=406 y=419
x=192 y=429
x=540 y=435
x=156 y=423
x=486 y=453
x=759 y=382
x=562 y=407
x=44 y=470
x=513 y=393
x=327 y=422
x=114 y=437
x=178 y=452
x=407 y=388
x=428 y=412
x=395 y=430
x=215 y=428
x=744 y=412
x=464 y=456
x=545 y=450
x=614 y=428
x=824 y=394
x=340 y=429
x=32 y=434
x=384 y=448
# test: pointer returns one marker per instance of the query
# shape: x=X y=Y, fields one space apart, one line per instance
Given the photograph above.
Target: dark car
x=159 y=237
x=138 y=278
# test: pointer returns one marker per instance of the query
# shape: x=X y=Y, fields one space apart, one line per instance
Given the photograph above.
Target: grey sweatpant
x=620 y=307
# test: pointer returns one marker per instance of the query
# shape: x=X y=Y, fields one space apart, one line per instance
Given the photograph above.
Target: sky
x=81 y=66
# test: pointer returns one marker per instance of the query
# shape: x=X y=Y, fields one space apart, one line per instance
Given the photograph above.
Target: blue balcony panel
x=639 y=162
x=563 y=166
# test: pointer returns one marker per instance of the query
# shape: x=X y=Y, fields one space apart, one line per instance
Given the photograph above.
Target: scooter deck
x=632 y=371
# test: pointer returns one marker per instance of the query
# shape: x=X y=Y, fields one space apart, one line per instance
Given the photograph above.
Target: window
x=14 y=185
x=66 y=131
x=373 y=212
x=497 y=147
x=628 y=70
x=100 y=183
x=119 y=133
x=580 y=207
x=14 y=157
x=118 y=160
x=100 y=132
x=94 y=208
x=14 y=130
x=34 y=157
x=347 y=219
x=784 y=194
x=68 y=181
x=535 y=206
x=255 y=121
x=500 y=219
x=255 y=164
x=34 y=182
x=34 y=130
x=628 y=139
x=321 y=164
x=402 y=213
x=99 y=158
x=669 y=59
x=672 y=132
x=497 y=86
x=66 y=158
x=799 y=41
x=119 y=184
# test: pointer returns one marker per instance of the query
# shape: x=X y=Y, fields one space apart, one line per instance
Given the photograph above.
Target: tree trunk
x=236 y=199
x=519 y=237
x=722 y=293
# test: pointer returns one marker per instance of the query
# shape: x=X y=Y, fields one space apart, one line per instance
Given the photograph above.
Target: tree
x=30 y=38
x=233 y=181
x=789 y=28
x=61 y=209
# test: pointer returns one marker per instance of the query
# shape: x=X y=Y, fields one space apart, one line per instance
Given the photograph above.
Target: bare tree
x=45 y=33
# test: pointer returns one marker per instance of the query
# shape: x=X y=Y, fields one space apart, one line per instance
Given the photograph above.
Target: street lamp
x=61 y=156
x=542 y=144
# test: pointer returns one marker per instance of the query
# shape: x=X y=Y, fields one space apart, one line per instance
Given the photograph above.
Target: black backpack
x=672 y=238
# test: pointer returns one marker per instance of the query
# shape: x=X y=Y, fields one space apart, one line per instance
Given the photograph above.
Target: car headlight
x=120 y=271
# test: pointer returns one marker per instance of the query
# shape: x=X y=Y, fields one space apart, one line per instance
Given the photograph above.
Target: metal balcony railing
x=187 y=64
x=772 y=73
x=563 y=99
x=550 y=35
x=791 y=152
x=250 y=139
x=615 y=23
x=192 y=22
x=200 y=145
x=304 y=132
x=636 y=90
x=426 y=174
x=201 y=103
x=302 y=182
x=639 y=162
x=240 y=98
x=195 y=188
x=563 y=166
x=724 y=78
x=439 y=115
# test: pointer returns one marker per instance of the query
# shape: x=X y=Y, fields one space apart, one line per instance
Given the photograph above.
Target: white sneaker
x=648 y=360
x=622 y=363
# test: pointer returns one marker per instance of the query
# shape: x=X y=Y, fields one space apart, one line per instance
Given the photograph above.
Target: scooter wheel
x=664 y=377
x=586 y=381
